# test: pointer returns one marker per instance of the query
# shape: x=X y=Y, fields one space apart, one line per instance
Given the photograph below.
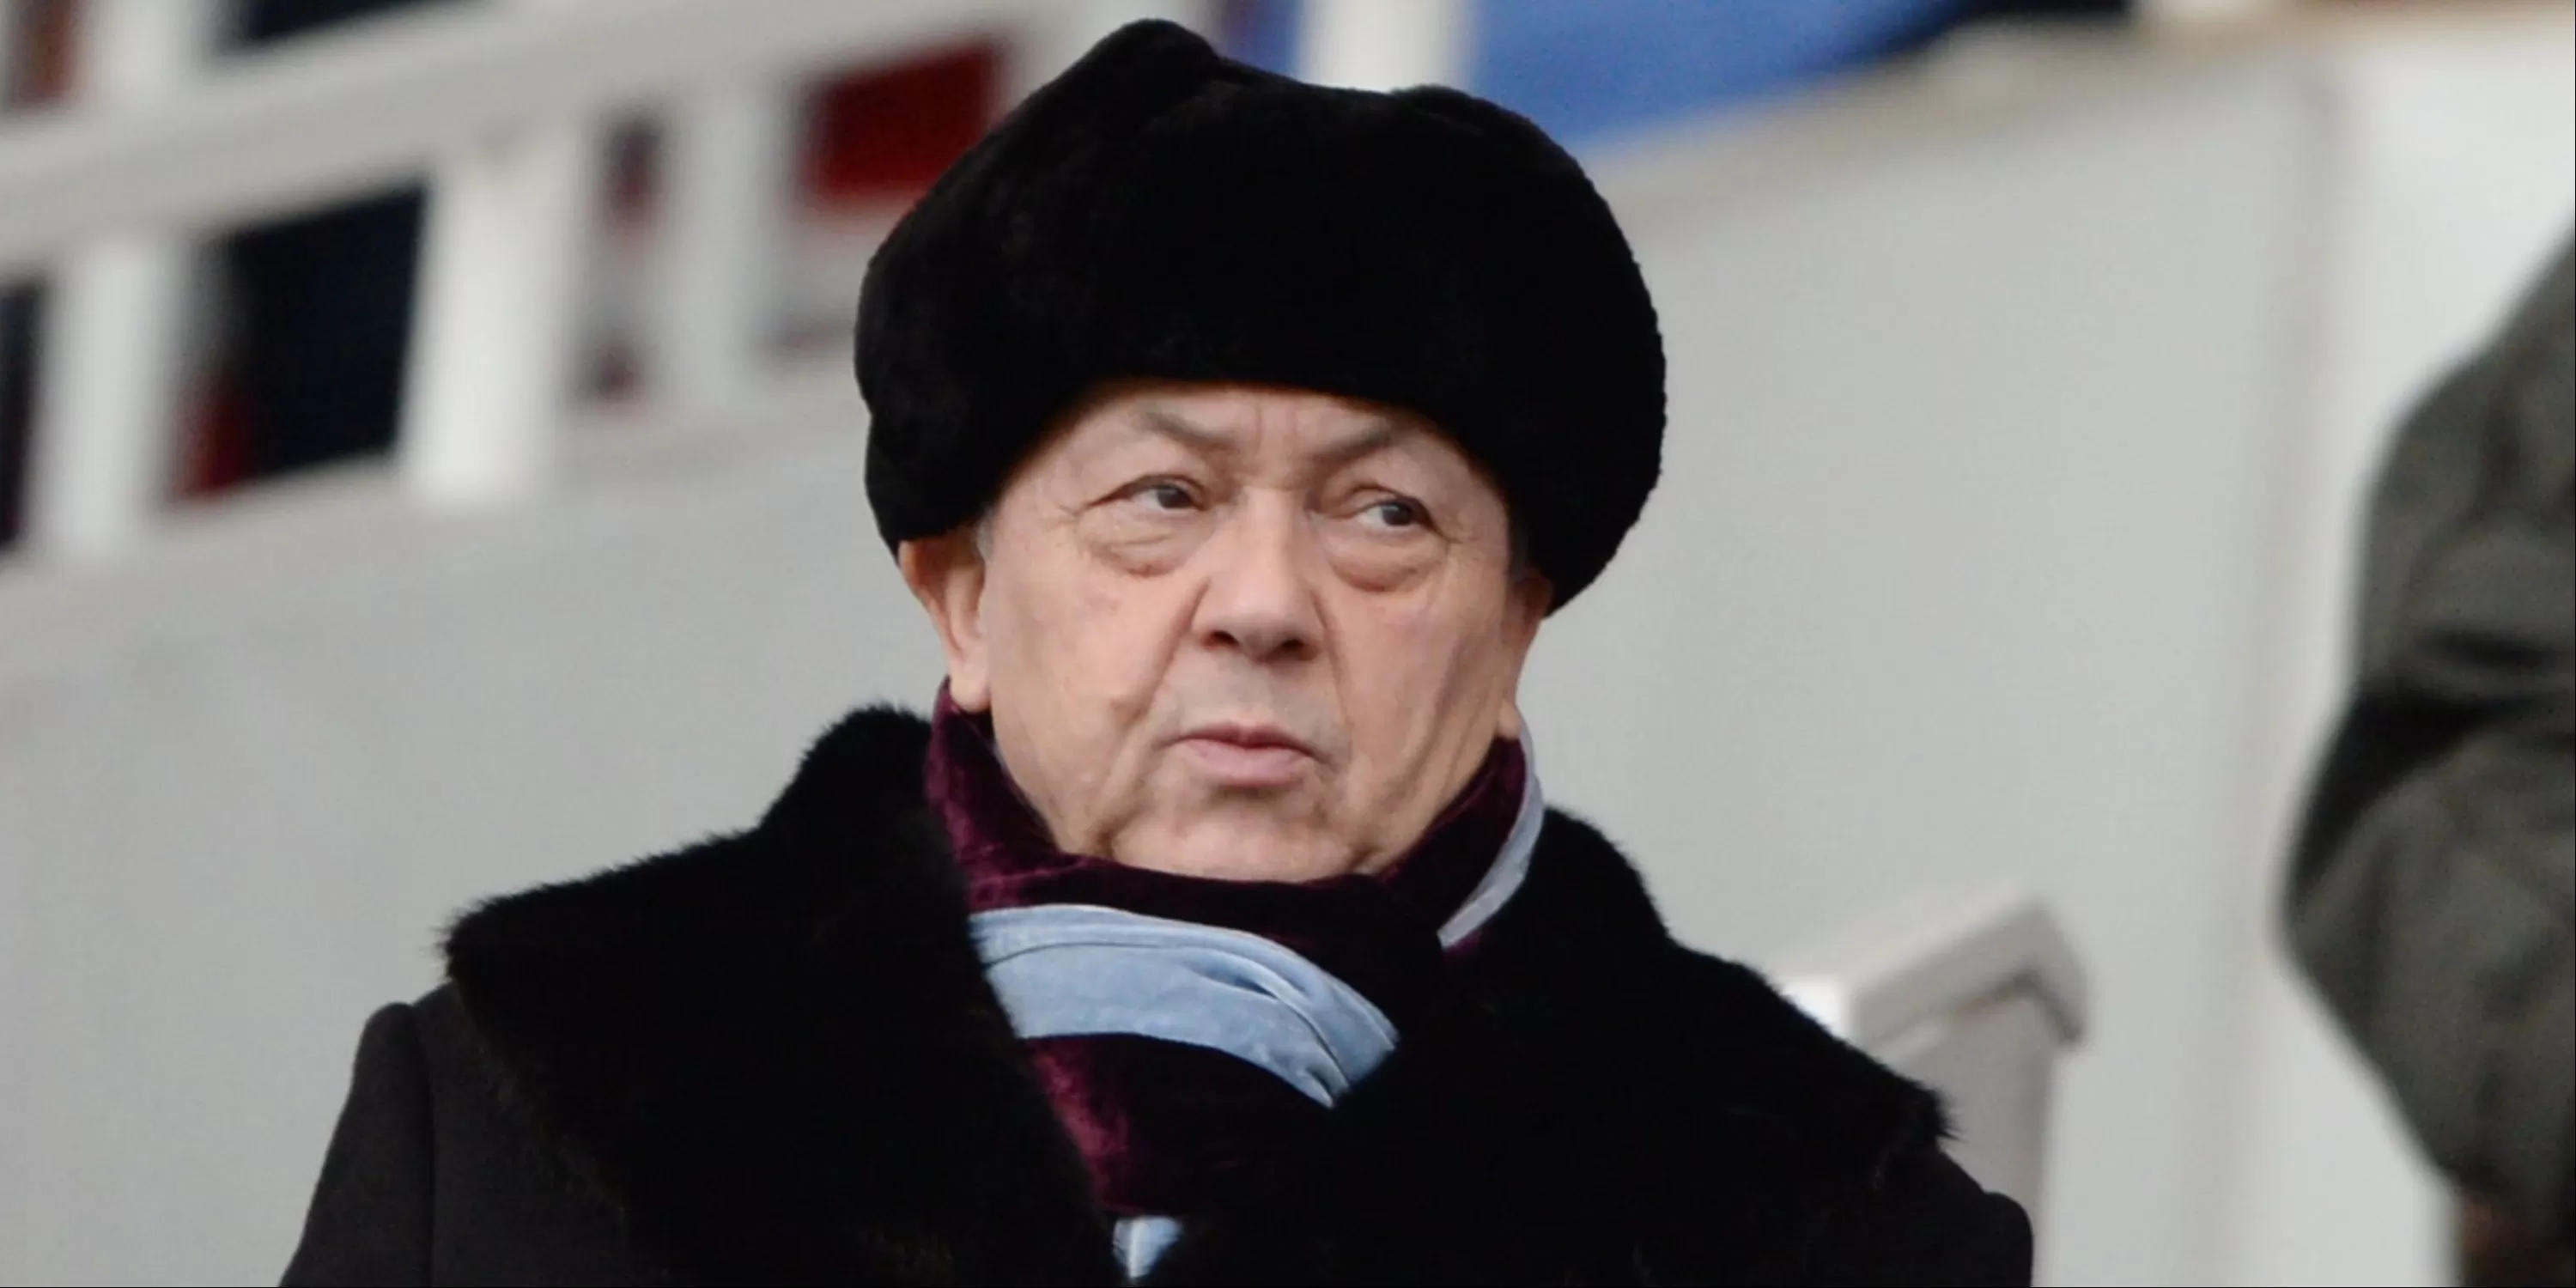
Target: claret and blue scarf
x=891 y=1035
x=1186 y=1027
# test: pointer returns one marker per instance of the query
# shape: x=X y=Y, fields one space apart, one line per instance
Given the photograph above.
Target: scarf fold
x=1187 y=1028
x=1072 y=970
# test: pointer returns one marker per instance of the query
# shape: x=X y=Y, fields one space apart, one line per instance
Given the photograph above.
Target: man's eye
x=1395 y=512
x=1163 y=495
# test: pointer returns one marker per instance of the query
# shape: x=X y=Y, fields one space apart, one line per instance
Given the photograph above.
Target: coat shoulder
x=434 y=1175
x=1694 y=1117
x=849 y=835
x=369 y=1217
x=701 y=1037
x=857 y=793
x=1702 y=1027
x=1788 y=1109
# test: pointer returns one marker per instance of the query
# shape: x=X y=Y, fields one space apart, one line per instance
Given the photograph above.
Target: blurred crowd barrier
x=639 y=200
x=2024 y=391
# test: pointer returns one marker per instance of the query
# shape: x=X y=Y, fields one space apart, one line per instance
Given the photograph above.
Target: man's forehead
x=1244 y=421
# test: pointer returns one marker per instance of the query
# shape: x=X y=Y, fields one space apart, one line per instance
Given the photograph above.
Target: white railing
x=501 y=106
x=114 y=357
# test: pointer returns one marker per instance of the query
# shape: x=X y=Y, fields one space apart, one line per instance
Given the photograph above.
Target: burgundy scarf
x=1162 y=1123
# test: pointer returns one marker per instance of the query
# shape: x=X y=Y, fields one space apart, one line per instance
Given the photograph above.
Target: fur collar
x=776 y=1055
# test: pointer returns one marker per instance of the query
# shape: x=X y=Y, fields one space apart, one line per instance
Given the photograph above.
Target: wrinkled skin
x=1235 y=631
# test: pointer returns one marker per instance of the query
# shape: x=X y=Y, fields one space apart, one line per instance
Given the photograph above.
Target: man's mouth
x=1248 y=756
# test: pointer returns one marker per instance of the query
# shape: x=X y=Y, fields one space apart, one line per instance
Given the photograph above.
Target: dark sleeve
x=369 y=1222
x=1928 y=1223
x=2433 y=893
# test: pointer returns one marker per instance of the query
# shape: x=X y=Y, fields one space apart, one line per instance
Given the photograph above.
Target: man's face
x=1235 y=631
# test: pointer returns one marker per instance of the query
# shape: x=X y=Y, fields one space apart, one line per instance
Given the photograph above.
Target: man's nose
x=1259 y=598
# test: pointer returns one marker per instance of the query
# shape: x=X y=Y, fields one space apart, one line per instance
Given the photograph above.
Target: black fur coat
x=773 y=1058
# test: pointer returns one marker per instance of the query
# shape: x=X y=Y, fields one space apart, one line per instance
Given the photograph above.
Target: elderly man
x=1236 y=436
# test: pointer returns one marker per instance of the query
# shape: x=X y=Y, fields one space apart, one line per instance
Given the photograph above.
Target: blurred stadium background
x=428 y=465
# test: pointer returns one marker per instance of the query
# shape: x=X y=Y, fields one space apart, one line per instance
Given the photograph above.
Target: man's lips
x=1255 y=737
x=1246 y=755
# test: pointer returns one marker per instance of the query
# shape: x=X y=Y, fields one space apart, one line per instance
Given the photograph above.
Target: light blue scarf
x=1077 y=970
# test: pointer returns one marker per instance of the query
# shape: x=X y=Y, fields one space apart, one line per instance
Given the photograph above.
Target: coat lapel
x=775 y=1053
x=776 y=1056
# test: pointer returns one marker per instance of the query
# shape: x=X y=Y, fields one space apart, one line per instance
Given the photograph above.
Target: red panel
x=886 y=134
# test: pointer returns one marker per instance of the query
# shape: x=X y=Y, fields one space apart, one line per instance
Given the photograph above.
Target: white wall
x=230 y=829
x=1959 y=580
x=2012 y=409
x=2451 y=183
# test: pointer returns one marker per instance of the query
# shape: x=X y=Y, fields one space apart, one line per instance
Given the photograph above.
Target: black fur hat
x=1161 y=211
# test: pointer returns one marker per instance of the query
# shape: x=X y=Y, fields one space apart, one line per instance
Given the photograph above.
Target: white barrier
x=1372 y=44
x=113 y=360
x=503 y=105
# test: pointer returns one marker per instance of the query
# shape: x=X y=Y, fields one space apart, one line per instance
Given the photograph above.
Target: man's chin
x=1223 y=851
